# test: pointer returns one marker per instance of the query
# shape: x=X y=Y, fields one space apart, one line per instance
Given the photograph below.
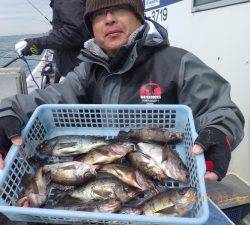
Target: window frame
x=214 y=5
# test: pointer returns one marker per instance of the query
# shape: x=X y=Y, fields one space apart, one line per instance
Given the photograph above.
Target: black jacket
x=68 y=33
x=147 y=70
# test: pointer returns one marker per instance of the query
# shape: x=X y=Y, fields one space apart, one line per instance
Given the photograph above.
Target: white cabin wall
x=221 y=38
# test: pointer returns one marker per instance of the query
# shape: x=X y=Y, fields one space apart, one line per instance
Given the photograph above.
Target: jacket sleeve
x=72 y=34
x=208 y=95
x=71 y=90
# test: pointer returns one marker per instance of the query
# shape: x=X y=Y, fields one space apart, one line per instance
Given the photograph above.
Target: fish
x=106 y=154
x=70 y=145
x=167 y=159
x=35 y=189
x=70 y=173
x=128 y=175
x=152 y=135
x=171 y=202
x=104 y=189
x=147 y=165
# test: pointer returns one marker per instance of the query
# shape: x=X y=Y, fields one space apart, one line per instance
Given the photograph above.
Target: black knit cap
x=95 y=5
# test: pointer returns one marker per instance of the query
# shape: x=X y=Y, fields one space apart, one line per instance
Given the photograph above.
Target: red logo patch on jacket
x=150 y=93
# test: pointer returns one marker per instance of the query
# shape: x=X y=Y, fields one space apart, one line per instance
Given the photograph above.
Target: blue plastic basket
x=106 y=120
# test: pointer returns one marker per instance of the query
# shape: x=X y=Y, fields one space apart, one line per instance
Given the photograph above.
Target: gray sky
x=18 y=17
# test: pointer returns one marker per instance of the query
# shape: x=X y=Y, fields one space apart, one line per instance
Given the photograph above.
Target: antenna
x=38 y=10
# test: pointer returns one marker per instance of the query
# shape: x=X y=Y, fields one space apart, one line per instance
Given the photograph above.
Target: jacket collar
x=150 y=34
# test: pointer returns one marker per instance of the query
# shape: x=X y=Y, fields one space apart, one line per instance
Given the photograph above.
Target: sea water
x=7 y=52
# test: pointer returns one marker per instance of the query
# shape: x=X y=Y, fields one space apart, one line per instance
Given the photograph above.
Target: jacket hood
x=155 y=34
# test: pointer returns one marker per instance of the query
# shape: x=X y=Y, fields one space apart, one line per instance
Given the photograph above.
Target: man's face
x=112 y=27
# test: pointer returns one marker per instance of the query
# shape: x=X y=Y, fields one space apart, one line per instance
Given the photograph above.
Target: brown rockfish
x=104 y=189
x=152 y=135
x=147 y=165
x=172 y=202
x=128 y=175
x=106 y=154
x=167 y=159
x=70 y=173
x=70 y=145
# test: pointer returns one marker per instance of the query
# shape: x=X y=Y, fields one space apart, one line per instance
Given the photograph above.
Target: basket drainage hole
x=176 y=184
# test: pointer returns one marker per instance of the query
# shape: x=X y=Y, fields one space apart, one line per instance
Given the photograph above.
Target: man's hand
x=10 y=130
x=31 y=48
x=217 y=150
x=18 y=141
x=208 y=175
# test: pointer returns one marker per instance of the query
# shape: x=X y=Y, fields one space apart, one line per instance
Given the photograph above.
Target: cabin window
x=199 y=5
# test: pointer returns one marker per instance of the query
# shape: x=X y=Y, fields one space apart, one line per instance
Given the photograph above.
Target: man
x=66 y=38
x=127 y=55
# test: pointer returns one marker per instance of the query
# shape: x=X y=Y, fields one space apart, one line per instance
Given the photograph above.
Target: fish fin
x=139 y=180
x=168 y=211
x=165 y=152
x=117 y=172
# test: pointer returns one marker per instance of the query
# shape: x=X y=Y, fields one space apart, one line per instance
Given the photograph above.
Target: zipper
x=93 y=59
